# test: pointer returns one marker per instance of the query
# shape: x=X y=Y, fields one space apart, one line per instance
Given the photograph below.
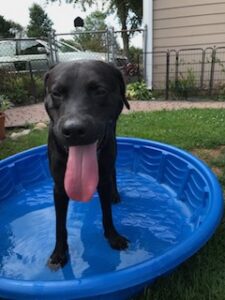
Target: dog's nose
x=73 y=129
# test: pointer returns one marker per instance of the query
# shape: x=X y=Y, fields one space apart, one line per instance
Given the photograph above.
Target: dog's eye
x=100 y=92
x=97 y=91
x=56 y=98
x=56 y=94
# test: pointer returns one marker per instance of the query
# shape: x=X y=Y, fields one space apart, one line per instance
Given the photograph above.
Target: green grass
x=193 y=128
x=9 y=147
x=202 y=277
x=188 y=129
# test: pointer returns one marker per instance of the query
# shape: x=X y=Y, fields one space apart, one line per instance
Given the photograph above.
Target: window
x=7 y=48
x=30 y=47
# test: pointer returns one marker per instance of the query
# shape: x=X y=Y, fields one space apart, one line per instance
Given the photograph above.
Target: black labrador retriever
x=83 y=100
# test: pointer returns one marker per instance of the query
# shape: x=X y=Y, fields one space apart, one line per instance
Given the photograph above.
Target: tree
x=40 y=24
x=93 y=41
x=129 y=13
x=8 y=28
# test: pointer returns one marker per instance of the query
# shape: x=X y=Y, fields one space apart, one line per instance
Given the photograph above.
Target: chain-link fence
x=24 y=61
x=80 y=45
x=183 y=73
x=106 y=45
x=22 y=65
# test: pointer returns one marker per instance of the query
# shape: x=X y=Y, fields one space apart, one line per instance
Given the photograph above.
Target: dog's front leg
x=116 y=241
x=106 y=191
x=59 y=256
x=116 y=196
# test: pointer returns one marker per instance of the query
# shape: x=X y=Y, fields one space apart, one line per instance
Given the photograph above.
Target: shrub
x=39 y=87
x=221 y=94
x=17 y=90
x=4 y=103
x=184 y=87
x=20 y=89
x=138 y=91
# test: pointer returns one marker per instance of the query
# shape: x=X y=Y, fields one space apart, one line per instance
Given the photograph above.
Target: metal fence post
x=177 y=68
x=113 y=44
x=51 y=48
x=167 y=73
x=54 y=48
x=211 y=81
x=202 y=69
x=145 y=51
x=108 y=44
x=33 y=86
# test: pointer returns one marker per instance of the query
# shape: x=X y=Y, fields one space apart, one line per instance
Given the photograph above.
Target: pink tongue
x=81 y=177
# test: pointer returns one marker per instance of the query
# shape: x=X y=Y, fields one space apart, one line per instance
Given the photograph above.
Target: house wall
x=183 y=25
x=188 y=23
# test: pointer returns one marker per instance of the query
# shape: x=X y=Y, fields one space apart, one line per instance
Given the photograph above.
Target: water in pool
x=149 y=216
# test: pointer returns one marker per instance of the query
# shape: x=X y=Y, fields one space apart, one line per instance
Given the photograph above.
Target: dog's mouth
x=81 y=176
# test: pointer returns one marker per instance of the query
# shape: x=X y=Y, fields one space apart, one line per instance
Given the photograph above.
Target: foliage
x=20 y=89
x=8 y=28
x=221 y=94
x=129 y=13
x=134 y=54
x=89 y=41
x=40 y=24
x=4 y=103
x=39 y=87
x=185 y=86
x=138 y=91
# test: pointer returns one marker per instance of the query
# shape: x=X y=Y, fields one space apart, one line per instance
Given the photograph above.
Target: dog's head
x=82 y=99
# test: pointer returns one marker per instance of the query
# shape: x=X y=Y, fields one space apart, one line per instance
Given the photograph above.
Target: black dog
x=83 y=100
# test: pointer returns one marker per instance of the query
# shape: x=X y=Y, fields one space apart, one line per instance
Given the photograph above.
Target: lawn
x=201 y=132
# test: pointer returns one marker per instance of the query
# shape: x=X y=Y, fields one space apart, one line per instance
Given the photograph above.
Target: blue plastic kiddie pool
x=171 y=205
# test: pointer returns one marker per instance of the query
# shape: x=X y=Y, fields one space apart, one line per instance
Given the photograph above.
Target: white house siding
x=187 y=24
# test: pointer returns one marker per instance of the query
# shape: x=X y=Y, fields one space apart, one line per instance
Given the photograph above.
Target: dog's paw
x=118 y=242
x=57 y=260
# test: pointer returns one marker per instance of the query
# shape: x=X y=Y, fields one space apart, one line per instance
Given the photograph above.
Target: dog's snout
x=73 y=129
x=79 y=131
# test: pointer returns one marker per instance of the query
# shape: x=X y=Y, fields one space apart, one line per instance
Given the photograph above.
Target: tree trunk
x=122 y=12
x=125 y=38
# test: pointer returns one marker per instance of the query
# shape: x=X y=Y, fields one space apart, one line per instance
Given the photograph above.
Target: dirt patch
x=217 y=171
x=210 y=156
x=20 y=116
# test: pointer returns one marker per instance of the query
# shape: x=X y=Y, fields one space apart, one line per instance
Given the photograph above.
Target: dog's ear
x=46 y=76
x=123 y=90
x=48 y=101
x=46 y=95
x=122 y=84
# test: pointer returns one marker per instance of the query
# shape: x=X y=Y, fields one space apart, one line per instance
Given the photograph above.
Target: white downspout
x=148 y=23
